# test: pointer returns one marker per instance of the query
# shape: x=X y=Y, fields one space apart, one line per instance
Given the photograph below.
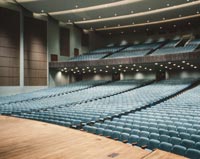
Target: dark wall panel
x=64 y=42
x=9 y=47
x=35 y=52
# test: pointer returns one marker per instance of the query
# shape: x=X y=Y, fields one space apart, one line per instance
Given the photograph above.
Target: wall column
x=21 y=49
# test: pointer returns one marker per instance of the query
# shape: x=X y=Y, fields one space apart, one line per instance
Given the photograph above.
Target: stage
x=28 y=139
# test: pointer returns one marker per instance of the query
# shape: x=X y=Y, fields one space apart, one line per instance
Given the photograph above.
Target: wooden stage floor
x=28 y=139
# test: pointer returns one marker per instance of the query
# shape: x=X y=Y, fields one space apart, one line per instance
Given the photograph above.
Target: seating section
x=171 y=48
x=50 y=92
x=96 y=54
x=155 y=48
x=173 y=125
x=135 y=50
x=69 y=100
x=138 y=112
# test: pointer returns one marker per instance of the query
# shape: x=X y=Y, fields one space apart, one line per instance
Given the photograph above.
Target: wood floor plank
x=22 y=139
x=159 y=154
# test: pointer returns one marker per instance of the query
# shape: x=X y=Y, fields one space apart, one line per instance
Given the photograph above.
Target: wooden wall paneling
x=54 y=57
x=9 y=47
x=35 y=57
x=76 y=52
x=64 y=42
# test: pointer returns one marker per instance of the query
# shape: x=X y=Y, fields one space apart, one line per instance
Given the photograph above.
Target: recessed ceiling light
x=42 y=11
x=189 y=23
x=115 y=14
x=140 y=66
x=166 y=67
x=110 y=33
x=174 y=64
x=65 y=68
x=195 y=67
x=84 y=18
x=133 y=22
x=183 y=61
x=148 y=21
x=106 y=71
x=174 y=25
x=134 y=31
x=76 y=6
x=122 y=32
x=169 y=62
x=107 y=66
x=161 y=65
x=100 y=70
x=132 y=12
x=132 y=69
x=137 y=70
x=118 y=25
x=167 y=4
x=182 y=68
x=94 y=69
x=197 y=12
x=104 y=26
x=150 y=69
x=147 y=29
x=188 y=0
x=149 y=8
x=126 y=67
x=113 y=68
x=180 y=15
x=134 y=65
x=156 y=64
x=69 y=21
x=99 y=17
x=163 y=18
x=178 y=66
x=188 y=63
x=87 y=67
x=160 y=27
x=120 y=65
x=124 y=70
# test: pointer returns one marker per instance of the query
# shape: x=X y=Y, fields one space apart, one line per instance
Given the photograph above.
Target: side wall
x=9 y=47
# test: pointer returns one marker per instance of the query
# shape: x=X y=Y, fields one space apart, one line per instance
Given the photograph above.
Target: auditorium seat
x=193 y=153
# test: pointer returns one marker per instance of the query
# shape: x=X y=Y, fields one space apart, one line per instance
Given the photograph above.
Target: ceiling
x=103 y=15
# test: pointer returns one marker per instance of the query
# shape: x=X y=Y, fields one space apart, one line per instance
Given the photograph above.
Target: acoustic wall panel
x=35 y=52
x=64 y=42
x=9 y=47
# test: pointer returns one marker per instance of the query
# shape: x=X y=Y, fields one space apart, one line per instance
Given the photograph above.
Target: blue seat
x=153 y=130
x=188 y=143
x=175 y=141
x=195 y=138
x=173 y=133
x=153 y=144
x=99 y=131
x=133 y=139
x=116 y=135
x=143 y=142
x=107 y=133
x=193 y=153
x=184 y=135
x=166 y=146
x=163 y=132
x=135 y=132
x=197 y=146
x=180 y=150
x=164 y=138
x=154 y=136
x=144 y=134
x=127 y=130
x=124 y=137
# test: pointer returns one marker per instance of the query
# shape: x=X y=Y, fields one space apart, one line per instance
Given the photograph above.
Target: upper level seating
x=173 y=125
x=135 y=50
x=96 y=54
x=171 y=48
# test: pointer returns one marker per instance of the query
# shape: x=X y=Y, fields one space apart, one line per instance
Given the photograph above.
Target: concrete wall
x=183 y=74
x=126 y=76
